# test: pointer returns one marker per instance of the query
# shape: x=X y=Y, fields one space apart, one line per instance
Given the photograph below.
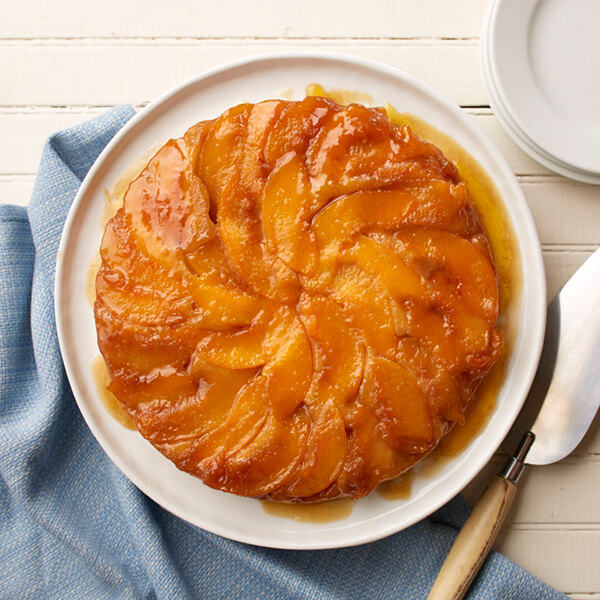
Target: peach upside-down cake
x=296 y=300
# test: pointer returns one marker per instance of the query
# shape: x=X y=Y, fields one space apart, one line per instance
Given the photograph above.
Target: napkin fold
x=73 y=527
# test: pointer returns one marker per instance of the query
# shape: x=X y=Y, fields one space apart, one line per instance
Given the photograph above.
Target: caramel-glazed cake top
x=296 y=300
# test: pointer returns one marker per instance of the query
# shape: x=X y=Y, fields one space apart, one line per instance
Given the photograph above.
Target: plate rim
x=536 y=261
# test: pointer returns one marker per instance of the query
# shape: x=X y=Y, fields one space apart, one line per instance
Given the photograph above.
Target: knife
x=567 y=385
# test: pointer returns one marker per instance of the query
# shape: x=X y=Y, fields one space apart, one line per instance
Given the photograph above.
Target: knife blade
x=572 y=375
x=567 y=390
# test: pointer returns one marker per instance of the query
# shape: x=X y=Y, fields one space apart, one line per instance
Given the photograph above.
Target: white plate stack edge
x=540 y=61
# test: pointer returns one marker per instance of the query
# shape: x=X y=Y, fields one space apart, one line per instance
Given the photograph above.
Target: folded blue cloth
x=73 y=527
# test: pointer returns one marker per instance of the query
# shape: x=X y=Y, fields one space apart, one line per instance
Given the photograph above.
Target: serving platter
x=206 y=96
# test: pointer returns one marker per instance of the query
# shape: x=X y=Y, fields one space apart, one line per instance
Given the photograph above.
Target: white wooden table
x=64 y=61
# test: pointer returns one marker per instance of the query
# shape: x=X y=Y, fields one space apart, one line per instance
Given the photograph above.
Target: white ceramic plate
x=509 y=124
x=206 y=96
x=545 y=55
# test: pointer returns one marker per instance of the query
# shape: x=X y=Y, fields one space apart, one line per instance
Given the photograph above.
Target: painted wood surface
x=65 y=61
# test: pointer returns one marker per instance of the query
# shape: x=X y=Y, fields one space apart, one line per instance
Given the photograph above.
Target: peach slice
x=352 y=136
x=140 y=304
x=440 y=204
x=368 y=307
x=401 y=283
x=158 y=345
x=290 y=365
x=239 y=348
x=268 y=400
x=168 y=290
x=324 y=456
x=223 y=150
x=124 y=258
x=473 y=335
x=167 y=205
x=282 y=435
x=399 y=279
x=435 y=358
x=393 y=394
x=287 y=208
x=338 y=362
x=338 y=351
x=209 y=263
x=443 y=204
x=132 y=284
x=217 y=288
x=240 y=229
x=279 y=343
x=215 y=307
x=243 y=422
x=254 y=169
x=265 y=462
x=369 y=458
x=194 y=139
x=452 y=266
x=432 y=328
x=340 y=221
x=358 y=149
x=187 y=406
x=222 y=307
x=297 y=124
x=428 y=159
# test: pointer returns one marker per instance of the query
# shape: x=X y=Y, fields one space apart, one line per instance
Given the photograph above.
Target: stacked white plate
x=541 y=69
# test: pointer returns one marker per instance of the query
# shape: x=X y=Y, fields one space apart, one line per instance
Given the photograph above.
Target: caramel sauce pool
x=399 y=488
x=321 y=512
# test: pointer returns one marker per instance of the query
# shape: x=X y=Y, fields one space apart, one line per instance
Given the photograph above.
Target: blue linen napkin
x=73 y=527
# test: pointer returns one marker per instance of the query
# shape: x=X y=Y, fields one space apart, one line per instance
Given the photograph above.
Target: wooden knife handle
x=474 y=541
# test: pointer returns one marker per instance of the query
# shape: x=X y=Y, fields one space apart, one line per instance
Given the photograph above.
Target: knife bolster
x=516 y=464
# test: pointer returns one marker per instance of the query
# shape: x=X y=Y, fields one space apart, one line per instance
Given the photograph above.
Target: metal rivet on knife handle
x=514 y=467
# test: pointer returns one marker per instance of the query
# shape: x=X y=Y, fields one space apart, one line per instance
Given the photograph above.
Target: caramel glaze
x=399 y=488
x=297 y=300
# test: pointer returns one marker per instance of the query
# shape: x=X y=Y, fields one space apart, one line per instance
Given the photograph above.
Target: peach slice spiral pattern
x=296 y=300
